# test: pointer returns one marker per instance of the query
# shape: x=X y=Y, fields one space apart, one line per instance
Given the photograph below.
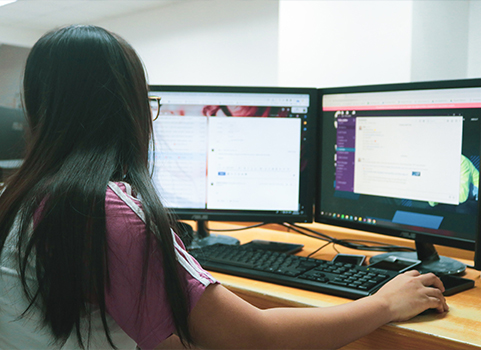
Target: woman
x=86 y=263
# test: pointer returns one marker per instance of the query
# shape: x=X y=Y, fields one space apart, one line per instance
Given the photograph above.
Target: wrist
x=382 y=308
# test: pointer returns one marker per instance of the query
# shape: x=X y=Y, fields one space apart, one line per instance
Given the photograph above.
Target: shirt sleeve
x=147 y=320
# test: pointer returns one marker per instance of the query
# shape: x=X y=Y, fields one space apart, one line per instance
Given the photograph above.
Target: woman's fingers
x=420 y=292
x=431 y=280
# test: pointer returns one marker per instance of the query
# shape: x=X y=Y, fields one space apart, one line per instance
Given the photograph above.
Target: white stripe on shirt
x=186 y=260
x=123 y=196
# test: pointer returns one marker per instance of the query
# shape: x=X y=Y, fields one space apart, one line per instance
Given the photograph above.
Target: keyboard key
x=292 y=270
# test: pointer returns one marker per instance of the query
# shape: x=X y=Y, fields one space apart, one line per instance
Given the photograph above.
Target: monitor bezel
x=307 y=181
x=422 y=237
x=13 y=124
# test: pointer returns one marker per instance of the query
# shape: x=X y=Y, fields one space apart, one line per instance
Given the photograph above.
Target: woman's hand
x=411 y=293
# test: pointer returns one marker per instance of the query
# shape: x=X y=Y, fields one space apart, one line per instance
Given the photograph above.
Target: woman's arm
x=222 y=320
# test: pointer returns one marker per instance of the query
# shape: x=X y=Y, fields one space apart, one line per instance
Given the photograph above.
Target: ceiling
x=44 y=15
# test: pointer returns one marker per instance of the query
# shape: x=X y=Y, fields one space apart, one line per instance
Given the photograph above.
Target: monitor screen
x=12 y=140
x=402 y=160
x=235 y=153
x=12 y=133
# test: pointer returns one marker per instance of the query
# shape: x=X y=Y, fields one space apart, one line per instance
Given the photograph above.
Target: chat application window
x=415 y=157
x=253 y=163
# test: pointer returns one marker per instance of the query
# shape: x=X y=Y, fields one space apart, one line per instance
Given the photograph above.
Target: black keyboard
x=336 y=278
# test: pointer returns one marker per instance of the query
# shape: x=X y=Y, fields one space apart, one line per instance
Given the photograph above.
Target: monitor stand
x=431 y=261
x=202 y=238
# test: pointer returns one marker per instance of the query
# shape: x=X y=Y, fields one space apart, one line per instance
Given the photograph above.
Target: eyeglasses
x=156 y=98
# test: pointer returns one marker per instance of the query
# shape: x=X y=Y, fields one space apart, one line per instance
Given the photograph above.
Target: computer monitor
x=477 y=249
x=235 y=153
x=403 y=160
x=12 y=140
x=12 y=137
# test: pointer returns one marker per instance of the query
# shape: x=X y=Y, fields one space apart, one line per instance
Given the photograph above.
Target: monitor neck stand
x=202 y=237
x=431 y=261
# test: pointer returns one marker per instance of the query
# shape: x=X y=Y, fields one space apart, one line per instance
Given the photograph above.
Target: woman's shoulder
x=120 y=194
x=118 y=189
x=123 y=211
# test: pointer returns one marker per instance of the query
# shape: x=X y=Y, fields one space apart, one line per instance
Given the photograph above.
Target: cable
x=235 y=229
x=293 y=228
x=318 y=249
x=351 y=243
x=263 y=224
x=348 y=243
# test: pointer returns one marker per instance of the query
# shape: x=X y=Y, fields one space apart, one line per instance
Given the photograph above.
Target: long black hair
x=86 y=101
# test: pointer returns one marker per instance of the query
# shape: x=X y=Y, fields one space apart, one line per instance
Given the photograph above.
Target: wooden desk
x=460 y=328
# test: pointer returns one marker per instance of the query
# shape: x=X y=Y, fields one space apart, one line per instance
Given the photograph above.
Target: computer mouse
x=430 y=312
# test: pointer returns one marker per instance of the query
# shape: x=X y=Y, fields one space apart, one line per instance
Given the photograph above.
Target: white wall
x=334 y=43
x=440 y=40
x=300 y=42
x=208 y=42
x=22 y=37
x=474 y=44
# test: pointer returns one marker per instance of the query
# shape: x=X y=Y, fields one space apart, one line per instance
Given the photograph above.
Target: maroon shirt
x=151 y=322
